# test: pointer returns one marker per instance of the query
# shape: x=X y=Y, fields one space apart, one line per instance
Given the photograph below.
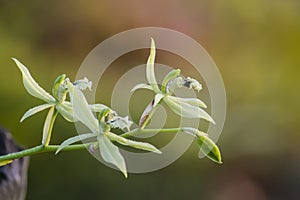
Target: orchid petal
x=150 y=68
x=75 y=139
x=111 y=154
x=141 y=86
x=135 y=144
x=31 y=85
x=35 y=110
x=186 y=110
x=81 y=109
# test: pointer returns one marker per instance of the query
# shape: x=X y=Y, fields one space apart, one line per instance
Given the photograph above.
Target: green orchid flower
x=185 y=107
x=100 y=130
x=56 y=102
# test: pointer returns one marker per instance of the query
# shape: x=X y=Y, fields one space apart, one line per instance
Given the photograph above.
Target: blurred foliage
x=256 y=46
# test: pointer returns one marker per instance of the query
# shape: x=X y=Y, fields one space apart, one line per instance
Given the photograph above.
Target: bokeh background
x=256 y=45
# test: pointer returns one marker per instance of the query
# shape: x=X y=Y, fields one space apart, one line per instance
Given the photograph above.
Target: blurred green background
x=256 y=45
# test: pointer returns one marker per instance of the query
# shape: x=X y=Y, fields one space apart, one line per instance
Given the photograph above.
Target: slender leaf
x=74 y=140
x=31 y=85
x=35 y=110
x=135 y=144
x=111 y=154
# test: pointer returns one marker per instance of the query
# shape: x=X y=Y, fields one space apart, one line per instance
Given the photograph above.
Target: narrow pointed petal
x=141 y=86
x=35 y=110
x=150 y=68
x=66 y=111
x=74 y=140
x=98 y=107
x=47 y=125
x=171 y=75
x=186 y=110
x=190 y=101
x=57 y=91
x=111 y=154
x=135 y=144
x=81 y=109
x=31 y=85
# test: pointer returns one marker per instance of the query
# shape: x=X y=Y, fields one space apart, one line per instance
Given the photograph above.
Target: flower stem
x=53 y=148
x=139 y=130
x=41 y=149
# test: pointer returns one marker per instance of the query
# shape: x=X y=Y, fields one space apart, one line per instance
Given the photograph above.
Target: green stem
x=41 y=149
x=138 y=130
x=52 y=148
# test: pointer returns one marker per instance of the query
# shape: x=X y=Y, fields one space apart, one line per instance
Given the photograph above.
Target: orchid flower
x=100 y=130
x=56 y=102
x=185 y=107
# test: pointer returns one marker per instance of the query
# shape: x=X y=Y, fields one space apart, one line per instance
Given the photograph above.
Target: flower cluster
x=68 y=100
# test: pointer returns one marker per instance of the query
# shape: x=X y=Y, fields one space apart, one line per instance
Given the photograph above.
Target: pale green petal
x=171 y=75
x=58 y=91
x=157 y=99
x=150 y=68
x=194 y=132
x=141 y=86
x=81 y=109
x=74 y=140
x=66 y=111
x=32 y=86
x=47 y=124
x=35 y=110
x=186 y=110
x=191 y=101
x=111 y=154
x=98 y=107
x=135 y=144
